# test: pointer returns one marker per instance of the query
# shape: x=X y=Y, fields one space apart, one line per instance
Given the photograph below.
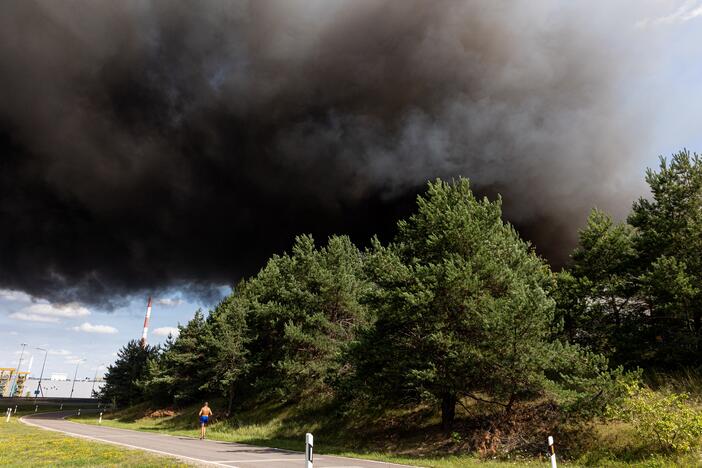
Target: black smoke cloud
x=148 y=145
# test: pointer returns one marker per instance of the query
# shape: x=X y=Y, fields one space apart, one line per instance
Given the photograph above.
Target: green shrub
x=668 y=420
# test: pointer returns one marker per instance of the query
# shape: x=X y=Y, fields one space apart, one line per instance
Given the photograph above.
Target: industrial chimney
x=146 y=323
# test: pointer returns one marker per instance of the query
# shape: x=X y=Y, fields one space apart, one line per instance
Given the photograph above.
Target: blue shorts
x=203 y=420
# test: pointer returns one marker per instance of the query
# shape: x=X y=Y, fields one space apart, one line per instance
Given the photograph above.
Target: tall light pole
x=74 y=377
x=19 y=364
x=39 y=389
x=95 y=378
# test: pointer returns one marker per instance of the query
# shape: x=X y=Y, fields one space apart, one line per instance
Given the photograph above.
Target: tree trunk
x=231 y=400
x=510 y=405
x=448 y=410
x=698 y=324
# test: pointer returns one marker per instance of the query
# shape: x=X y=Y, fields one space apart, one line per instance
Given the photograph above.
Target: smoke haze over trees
x=456 y=306
x=146 y=145
x=456 y=312
x=633 y=291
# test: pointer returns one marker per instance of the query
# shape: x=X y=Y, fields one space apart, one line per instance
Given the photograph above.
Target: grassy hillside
x=410 y=436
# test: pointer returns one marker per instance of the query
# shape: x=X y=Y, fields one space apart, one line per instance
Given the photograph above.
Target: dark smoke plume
x=154 y=144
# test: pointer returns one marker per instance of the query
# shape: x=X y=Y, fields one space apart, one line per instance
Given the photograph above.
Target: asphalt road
x=205 y=452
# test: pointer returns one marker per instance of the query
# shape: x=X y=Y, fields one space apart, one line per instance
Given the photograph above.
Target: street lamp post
x=74 y=377
x=41 y=375
x=19 y=364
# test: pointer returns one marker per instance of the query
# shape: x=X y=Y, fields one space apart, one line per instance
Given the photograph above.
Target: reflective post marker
x=78 y=411
x=36 y=407
x=309 y=446
x=100 y=419
x=8 y=413
x=15 y=409
x=61 y=406
x=552 y=452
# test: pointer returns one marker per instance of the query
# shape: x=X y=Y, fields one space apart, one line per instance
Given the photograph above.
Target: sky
x=73 y=332
x=677 y=79
x=174 y=150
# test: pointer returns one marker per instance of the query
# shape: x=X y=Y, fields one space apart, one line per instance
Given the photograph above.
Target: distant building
x=12 y=382
x=59 y=377
x=6 y=376
x=62 y=388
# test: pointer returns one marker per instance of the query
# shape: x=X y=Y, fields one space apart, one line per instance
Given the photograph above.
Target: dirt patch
x=161 y=413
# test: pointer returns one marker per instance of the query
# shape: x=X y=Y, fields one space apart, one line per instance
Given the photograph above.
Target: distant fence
x=63 y=388
x=24 y=401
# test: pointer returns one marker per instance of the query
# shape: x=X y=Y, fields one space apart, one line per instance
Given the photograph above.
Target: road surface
x=204 y=452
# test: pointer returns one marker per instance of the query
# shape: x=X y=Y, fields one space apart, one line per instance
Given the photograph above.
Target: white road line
x=365 y=460
x=179 y=436
x=267 y=460
x=184 y=457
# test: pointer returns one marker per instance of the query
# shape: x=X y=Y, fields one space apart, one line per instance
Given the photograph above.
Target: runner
x=205 y=413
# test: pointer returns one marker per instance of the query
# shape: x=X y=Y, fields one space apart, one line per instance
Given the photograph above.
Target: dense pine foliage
x=456 y=307
x=123 y=377
x=634 y=291
x=461 y=307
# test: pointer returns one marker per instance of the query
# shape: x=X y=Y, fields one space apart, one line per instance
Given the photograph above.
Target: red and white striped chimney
x=146 y=323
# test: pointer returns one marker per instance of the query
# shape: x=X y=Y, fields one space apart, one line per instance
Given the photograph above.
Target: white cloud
x=90 y=328
x=15 y=296
x=33 y=317
x=49 y=313
x=169 y=302
x=41 y=310
x=165 y=331
x=59 y=352
x=689 y=10
x=70 y=310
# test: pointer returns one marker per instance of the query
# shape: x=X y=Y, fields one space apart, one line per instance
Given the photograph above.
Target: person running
x=205 y=414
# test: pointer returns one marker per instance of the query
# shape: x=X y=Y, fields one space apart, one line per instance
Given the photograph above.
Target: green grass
x=284 y=427
x=23 y=445
x=618 y=446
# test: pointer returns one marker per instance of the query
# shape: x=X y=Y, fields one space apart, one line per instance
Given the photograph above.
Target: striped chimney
x=146 y=323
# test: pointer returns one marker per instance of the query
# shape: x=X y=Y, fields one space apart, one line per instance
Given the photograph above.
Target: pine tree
x=598 y=297
x=669 y=245
x=123 y=377
x=231 y=338
x=305 y=311
x=633 y=291
x=462 y=308
x=187 y=366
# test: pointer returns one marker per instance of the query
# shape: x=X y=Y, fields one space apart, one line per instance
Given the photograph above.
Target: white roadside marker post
x=309 y=446
x=8 y=413
x=552 y=452
x=78 y=411
x=100 y=419
x=15 y=409
x=36 y=407
x=61 y=407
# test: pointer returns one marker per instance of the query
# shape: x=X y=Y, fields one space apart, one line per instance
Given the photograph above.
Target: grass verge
x=23 y=445
x=284 y=427
x=273 y=427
